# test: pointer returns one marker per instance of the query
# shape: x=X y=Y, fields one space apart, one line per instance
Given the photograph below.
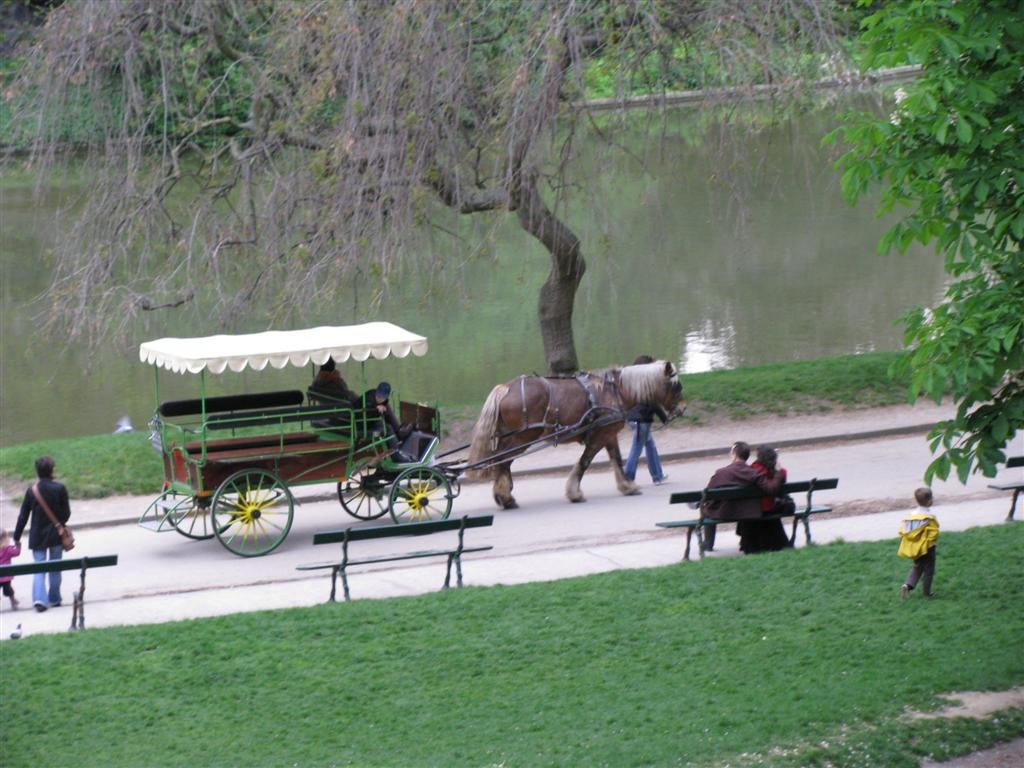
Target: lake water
x=711 y=260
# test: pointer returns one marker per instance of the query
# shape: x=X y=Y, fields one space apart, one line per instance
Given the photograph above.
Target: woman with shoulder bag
x=47 y=502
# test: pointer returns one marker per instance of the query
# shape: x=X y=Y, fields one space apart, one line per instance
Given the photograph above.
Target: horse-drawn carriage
x=230 y=461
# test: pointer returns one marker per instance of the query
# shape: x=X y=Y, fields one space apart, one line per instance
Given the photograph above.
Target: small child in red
x=8 y=552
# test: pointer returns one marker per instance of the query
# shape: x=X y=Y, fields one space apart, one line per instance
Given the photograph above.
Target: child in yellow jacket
x=918 y=535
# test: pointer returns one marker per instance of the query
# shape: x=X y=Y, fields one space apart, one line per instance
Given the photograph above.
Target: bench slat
x=403 y=529
x=1007 y=486
x=393 y=558
x=313 y=446
x=51 y=566
x=220 y=403
x=733 y=492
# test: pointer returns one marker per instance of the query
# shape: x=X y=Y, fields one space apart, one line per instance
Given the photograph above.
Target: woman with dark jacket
x=43 y=536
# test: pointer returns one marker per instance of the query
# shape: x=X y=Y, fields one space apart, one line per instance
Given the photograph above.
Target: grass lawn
x=800 y=658
x=102 y=465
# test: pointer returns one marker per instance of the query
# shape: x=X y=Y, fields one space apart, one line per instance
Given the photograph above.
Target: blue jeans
x=39 y=593
x=643 y=441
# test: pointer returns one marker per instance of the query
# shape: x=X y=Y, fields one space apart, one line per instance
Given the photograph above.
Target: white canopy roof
x=279 y=348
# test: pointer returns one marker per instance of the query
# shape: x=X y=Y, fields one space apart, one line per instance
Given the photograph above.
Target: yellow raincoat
x=918 y=534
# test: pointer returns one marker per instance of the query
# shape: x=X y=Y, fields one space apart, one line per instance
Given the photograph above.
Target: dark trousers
x=923 y=570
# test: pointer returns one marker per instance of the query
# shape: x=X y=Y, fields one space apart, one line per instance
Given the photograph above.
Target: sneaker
x=40 y=607
x=661 y=480
x=904 y=591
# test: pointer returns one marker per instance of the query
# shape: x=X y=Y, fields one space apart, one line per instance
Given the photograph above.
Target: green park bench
x=1018 y=486
x=703 y=497
x=81 y=564
x=454 y=554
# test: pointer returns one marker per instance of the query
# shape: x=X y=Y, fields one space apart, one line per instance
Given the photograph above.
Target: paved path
x=163 y=577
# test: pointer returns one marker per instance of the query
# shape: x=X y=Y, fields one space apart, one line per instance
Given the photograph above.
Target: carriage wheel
x=190 y=517
x=420 y=493
x=252 y=512
x=364 y=494
x=169 y=510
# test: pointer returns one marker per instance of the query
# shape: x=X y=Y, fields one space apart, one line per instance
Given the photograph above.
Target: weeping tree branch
x=317 y=138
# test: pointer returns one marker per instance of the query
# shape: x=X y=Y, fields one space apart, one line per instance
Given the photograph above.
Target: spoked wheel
x=365 y=494
x=419 y=494
x=191 y=517
x=252 y=512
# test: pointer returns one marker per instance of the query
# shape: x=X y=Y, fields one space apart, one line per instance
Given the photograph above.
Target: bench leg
x=344 y=584
x=1013 y=505
x=700 y=541
x=689 y=535
x=78 y=605
x=453 y=557
x=448 y=573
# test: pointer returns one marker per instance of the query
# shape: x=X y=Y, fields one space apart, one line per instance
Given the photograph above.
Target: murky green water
x=677 y=268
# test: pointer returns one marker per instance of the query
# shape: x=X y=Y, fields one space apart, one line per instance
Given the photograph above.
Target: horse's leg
x=572 y=485
x=626 y=486
x=502 y=488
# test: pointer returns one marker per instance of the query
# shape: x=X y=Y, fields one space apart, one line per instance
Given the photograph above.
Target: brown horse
x=589 y=408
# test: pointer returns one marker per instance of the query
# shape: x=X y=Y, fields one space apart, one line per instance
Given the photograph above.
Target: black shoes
x=40 y=607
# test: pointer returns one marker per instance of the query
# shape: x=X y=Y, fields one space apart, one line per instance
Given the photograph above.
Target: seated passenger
x=329 y=380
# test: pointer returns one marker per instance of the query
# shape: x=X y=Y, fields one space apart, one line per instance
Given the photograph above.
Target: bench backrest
x=403 y=529
x=221 y=404
x=730 y=492
x=50 y=566
x=1015 y=461
x=278 y=416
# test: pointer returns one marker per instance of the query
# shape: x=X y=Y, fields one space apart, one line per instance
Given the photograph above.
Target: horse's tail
x=483 y=442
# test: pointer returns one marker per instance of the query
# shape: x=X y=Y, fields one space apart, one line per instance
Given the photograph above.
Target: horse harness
x=549 y=420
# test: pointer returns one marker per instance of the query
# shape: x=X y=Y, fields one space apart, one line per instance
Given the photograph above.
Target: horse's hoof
x=508 y=503
x=634 y=491
x=576 y=499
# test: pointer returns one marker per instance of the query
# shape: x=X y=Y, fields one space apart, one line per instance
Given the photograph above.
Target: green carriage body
x=230 y=461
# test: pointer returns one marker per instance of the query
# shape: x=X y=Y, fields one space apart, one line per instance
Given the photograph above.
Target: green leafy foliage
x=950 y=159
x=799 y=658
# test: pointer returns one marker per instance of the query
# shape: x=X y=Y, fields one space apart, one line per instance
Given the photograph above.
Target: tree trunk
x=558 y=294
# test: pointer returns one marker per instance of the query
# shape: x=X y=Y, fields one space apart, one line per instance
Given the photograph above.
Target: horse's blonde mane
x=643 y=382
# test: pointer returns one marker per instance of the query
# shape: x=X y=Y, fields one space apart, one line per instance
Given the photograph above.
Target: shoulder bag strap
x=46 y=507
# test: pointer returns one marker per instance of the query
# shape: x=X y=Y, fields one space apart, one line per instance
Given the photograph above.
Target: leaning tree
x=260 y=151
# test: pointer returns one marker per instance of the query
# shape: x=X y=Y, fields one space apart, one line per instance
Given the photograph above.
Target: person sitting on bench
x=328 y=380
x=738 y=472
x=382 y=421
x=767 y=535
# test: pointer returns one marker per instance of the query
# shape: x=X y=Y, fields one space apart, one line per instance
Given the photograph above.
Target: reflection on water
x=690 y=258
x=704 y=351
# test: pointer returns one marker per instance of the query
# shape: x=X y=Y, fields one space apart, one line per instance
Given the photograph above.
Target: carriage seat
x=418 y=447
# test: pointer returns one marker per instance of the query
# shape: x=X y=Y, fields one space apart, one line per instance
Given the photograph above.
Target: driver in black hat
x=376 y=405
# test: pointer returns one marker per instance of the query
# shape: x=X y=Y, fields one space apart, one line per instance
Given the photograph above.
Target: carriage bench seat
x=454 y=554
x=80 y=564
x=1017 y=487
x=703 y=497
x=249 y=441
x=277 y=449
